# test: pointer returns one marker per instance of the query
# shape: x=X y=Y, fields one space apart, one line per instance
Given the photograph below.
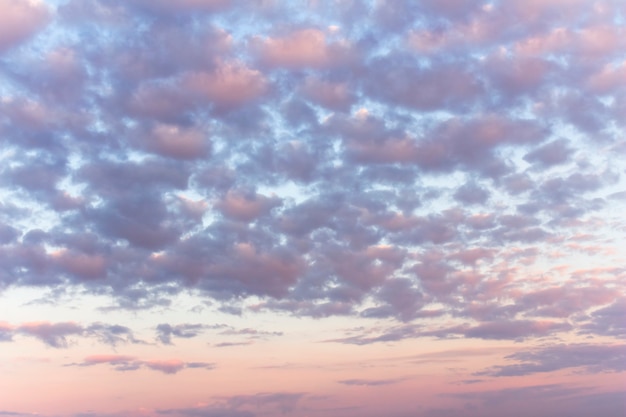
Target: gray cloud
x=165 y=331
x=60 y=335
x=591 y=358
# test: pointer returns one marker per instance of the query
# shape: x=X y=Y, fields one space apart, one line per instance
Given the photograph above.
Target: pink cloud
x=19 y=20
x=257 y=270
x=398 y=222
x=433 y=273
x=481 y=221
x=229 y=85
x=29 y=114
x=6 y=331
x=609 y=79
x=471 y=256
x=303 y=48
x=125 y=363
x=170 y=366
x=195 y=209
x=332 y=95
x=84 y=266
x=161 y=101
x=246 y=206
x=177 y=142
x=601 y=41
x=52 y=334
x=554 y=41
x=428 y=41
x=516 y=75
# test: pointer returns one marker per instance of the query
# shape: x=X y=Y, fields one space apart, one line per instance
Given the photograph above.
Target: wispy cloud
x=124 y=363
x=591 y=358
x=60 y=335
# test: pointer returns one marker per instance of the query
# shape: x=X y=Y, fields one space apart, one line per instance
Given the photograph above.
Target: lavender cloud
x=591 y=358
x=20 y=20
x=123 y=363
x=377 y=167
x=165 y=331
x=63 y=334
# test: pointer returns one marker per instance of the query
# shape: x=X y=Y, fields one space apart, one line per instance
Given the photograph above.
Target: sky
x=230 y=208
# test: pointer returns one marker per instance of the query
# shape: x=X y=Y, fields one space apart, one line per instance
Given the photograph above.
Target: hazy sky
x=229 y=208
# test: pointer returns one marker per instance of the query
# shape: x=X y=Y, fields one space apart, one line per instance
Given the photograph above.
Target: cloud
x=316 y=169
x=285 y=402
x=402 y=82
x=250 y=332
x=246 y=206
x=519 y=329
x=111 y=359
x=369 y=382
x=177 y=142
x=389 y=335
x=455 y=143
x=334 y=96
x=171 y=366
x=301 y=49
x=124 y=363
x=207 y=411
x=497 y=330
x=57 y=335
x=231 y=344
x=6 y=332
x=471 y=194
x=608 y=321
x=163 y=7
x=553 y=153
x=166 y=331
x=111 y=334
x=398 y=298
x=546 y=400
x=228 y=86
x=20 y=20
x=591 y=358
x=52 y=334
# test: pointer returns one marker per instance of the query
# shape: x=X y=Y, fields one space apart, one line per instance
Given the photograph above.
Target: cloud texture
x=434 y=169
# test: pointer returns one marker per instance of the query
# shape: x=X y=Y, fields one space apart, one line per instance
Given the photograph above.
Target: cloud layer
x=425 y=161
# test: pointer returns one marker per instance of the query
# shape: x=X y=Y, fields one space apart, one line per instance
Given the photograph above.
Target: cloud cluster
x=61 y=334
x=591 y=358
x=386 y=166
x=124 y=363
x=20 y=20
x=540 y=400
x=57 y=335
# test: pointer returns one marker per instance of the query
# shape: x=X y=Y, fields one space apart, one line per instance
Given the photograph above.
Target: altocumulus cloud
x=383 y=167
